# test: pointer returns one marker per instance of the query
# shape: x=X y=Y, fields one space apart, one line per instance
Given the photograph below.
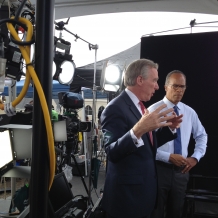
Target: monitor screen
x=60 y=131
x=60 y=195
x=6 y=153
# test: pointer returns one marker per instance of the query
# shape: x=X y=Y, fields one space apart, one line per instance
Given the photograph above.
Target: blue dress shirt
x=190 y=125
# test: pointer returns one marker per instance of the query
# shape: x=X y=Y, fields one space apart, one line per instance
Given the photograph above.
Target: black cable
x=165 y=31
x=13 y=21
x=84 y=79
x=19 y=9
x=192 y=24
x=21 y=42
x=206 y=22
x=208 y=26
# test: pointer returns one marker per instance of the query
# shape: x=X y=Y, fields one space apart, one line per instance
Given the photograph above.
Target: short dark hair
x=173 y=72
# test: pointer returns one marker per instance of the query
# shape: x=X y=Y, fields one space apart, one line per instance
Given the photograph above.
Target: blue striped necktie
x=177 y=141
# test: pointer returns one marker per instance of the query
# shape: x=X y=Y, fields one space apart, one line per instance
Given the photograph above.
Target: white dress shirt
x=190 y=124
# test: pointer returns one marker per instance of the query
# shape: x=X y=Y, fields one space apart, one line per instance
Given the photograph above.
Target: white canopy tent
x=72 y=8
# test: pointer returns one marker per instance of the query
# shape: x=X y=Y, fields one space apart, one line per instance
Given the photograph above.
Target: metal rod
x=85 y=141
x=93 y=121
x=12 y=93
x=91 y=46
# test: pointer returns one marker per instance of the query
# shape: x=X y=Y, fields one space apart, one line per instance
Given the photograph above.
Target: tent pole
x=39 y=182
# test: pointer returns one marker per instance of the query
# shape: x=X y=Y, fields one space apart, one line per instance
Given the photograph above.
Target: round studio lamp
x=68 y=70
x=64 y=71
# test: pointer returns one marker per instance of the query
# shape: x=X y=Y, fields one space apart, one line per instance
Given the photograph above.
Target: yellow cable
x=31 y=72
x=27 y=80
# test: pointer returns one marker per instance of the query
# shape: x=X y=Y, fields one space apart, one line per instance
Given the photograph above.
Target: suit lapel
x=131 y=105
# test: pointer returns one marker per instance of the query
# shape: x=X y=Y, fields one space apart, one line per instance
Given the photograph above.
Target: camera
x=71 y=102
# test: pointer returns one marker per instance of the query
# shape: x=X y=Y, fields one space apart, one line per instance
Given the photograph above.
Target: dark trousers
x=172 y=185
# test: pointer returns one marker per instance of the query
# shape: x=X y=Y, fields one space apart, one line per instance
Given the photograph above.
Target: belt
x=169 y=166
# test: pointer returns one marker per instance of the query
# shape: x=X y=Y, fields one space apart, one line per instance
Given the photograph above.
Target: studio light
x=63 y=69
x=111 y=77
x=63 y=65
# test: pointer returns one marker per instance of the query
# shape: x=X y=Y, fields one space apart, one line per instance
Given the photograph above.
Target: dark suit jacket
x=131 y=181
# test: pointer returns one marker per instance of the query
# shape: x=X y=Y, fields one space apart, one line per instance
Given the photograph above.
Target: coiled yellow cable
x=25 y=50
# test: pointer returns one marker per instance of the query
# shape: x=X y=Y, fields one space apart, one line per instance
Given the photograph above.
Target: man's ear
x=139 y=80
x=165 y=87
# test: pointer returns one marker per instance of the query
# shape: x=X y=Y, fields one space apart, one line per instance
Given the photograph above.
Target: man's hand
x=153 y=120
x=175 y=121
x=178 y=160
x=190 y=162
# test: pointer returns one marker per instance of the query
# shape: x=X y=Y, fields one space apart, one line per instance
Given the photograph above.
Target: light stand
x=66 y=159
x=95 y=47
x=60 y=26
x=94 y=86
x=81 y=176
x=84 y=135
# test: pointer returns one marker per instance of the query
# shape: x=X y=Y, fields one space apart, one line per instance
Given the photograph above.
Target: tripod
x=66 y=159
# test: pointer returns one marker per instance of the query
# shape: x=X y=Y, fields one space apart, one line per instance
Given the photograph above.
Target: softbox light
x=111 y=77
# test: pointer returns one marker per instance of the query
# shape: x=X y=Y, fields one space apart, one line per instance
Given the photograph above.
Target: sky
x=116 y=32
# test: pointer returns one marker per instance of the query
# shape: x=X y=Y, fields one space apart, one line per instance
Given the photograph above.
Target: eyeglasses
x=176 y=87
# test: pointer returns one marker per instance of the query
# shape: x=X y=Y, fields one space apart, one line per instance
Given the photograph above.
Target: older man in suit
x=130 y=142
